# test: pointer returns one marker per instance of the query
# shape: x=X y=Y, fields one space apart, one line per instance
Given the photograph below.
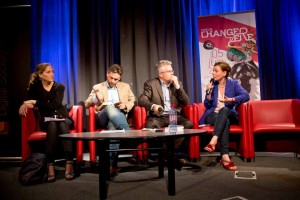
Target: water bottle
x=173 y=120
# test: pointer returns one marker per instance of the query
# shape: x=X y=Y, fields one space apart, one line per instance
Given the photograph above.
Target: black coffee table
x=103 y=139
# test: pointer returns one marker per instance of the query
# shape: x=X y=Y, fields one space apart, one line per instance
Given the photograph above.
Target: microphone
x=208 y=91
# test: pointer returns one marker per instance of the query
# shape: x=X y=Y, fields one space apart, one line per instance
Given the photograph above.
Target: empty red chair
x=31 y=131
x=279 y=120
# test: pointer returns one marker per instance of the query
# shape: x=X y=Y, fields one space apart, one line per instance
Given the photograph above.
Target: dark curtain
x=54 y=39
x=155 y=30
x=278 y=24
x=82 y=38
x=98 y=26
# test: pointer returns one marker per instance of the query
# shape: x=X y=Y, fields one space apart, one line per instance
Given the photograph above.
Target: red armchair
x=241 y=129
x=138 y=121
x=279 y=120
x=31 y=131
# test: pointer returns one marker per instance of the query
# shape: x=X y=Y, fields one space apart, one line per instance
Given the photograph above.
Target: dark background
x=14 y=51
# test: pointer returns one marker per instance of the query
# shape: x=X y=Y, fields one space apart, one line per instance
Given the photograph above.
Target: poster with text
x=231 y=38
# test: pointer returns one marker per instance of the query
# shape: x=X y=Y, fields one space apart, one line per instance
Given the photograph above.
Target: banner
x=231 y=38
x=3 y=91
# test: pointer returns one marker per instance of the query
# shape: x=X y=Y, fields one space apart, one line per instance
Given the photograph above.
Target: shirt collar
x=111 y=88
x=163 y=83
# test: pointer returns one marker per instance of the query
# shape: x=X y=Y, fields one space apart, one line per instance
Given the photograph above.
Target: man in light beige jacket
x=112 y=100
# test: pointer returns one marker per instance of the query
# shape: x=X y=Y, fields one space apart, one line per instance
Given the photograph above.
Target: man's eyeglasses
x=168 y=71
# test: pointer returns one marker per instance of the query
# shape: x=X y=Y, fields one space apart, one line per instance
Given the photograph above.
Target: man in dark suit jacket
x=162 y=93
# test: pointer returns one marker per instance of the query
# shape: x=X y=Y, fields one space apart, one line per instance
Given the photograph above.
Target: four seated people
x=113 y=100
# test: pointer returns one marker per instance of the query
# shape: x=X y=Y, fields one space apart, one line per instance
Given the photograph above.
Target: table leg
x=161 y=163
x=171 y=170
x=102 y=147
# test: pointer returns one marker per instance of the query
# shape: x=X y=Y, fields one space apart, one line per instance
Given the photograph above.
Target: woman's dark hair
x=224 y=67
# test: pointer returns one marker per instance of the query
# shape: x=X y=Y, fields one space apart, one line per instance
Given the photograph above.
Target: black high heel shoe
x=69 y=175
x=51 y=177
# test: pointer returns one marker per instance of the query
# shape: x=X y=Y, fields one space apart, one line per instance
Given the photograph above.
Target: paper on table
x=113 y=131
x=179 y=128
x=153 y=129
x=148 y=129
x=48 y=119
x=203 y=125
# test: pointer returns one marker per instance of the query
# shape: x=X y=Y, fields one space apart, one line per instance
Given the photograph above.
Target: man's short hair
x=115 y=68
x=161 y=63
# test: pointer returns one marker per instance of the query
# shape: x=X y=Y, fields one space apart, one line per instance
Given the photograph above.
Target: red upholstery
x=32 y=132
x=139 y=118
x=138 y=122
x=241 y=128
x=274 y=117
x=193 y=147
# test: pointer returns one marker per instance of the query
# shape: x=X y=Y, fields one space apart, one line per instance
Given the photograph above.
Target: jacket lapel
x=159 y=89
x=121 y=91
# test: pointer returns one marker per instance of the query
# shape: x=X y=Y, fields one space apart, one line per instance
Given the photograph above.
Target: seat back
x=271 y=111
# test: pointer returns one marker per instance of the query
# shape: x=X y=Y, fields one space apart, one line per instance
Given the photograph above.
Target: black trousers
x=53 y=141
x=181 y=144
x=221 y=122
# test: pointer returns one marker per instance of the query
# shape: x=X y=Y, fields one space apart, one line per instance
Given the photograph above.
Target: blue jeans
x=221 y=122
x=112 y=118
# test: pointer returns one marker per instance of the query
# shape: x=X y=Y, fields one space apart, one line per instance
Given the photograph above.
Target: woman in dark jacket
x=223 y=95
x=47 y=96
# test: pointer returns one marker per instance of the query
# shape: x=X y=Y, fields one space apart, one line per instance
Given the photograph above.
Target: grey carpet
x=277 y=178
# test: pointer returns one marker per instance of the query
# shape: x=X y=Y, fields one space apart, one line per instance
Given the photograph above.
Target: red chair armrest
x=92 y=120
x=188 y=112
x=139 y=117
x=77 y=115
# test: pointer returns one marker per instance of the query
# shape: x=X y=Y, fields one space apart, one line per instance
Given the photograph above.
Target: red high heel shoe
x=229 y=165
x=210 y=148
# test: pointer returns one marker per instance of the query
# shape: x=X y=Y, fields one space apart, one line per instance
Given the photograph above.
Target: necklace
x=222 y=86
